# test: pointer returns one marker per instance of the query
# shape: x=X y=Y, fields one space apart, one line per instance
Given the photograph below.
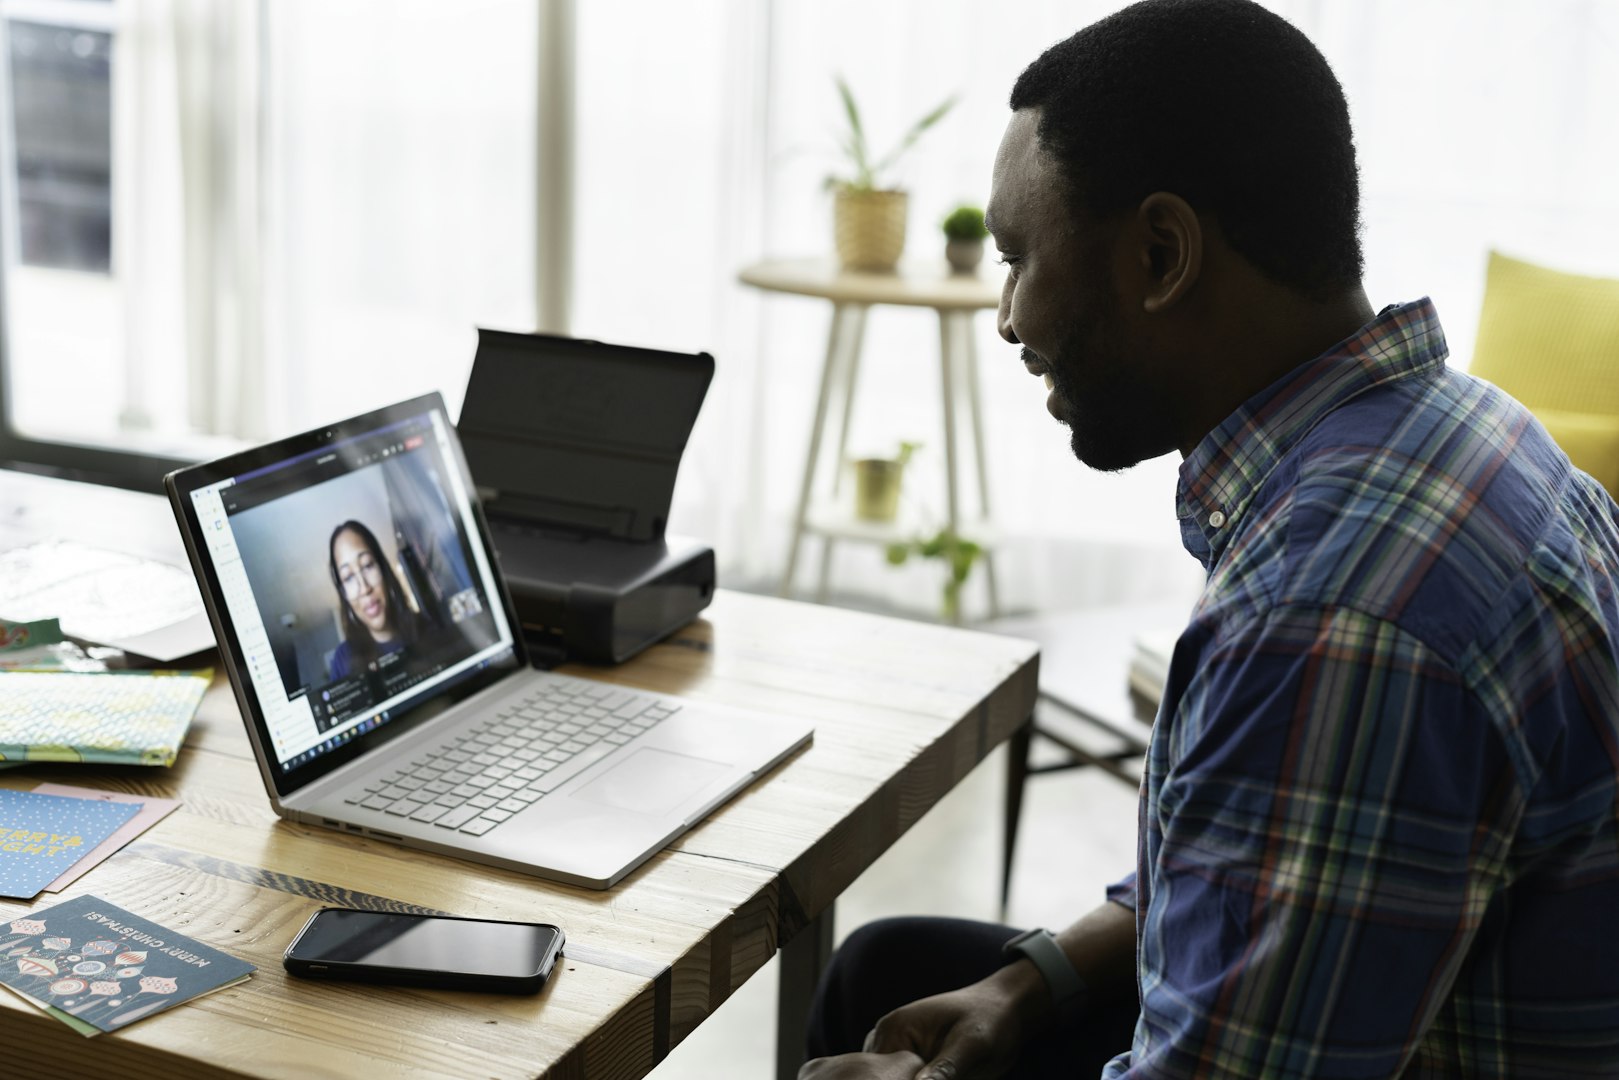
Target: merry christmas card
x=97 y=967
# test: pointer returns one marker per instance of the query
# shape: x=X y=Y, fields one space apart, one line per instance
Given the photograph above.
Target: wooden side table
x=956 y=298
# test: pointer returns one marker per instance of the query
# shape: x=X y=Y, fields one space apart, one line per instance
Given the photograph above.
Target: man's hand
x=901 y=1066
x=974 y=1033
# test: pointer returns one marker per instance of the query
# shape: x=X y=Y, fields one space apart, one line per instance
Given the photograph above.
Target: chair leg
x=1017 y=771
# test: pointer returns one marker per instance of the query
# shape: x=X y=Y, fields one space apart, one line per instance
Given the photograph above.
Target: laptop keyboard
x=504 y=764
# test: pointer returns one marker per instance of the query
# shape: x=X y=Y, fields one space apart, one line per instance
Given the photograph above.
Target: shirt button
x=1217 y=519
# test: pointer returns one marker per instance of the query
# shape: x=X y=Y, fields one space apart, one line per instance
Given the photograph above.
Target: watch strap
x=1041 y=949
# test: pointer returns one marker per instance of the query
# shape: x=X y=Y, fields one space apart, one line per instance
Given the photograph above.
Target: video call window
x=362 y=572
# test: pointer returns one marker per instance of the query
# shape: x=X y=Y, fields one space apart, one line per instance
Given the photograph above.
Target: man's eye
x=1009 y=260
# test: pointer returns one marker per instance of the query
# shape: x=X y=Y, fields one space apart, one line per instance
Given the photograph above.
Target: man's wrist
x=1023 y=989
x=1065 y=991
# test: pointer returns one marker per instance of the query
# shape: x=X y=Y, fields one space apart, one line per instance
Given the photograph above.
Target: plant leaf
x=856 y=146
x=915 y=133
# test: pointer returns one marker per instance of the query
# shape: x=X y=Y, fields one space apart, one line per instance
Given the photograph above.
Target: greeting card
x=97 y=967
x=151 y=811
x=41 y=836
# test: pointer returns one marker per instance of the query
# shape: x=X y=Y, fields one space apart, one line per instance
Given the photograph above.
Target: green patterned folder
x=125 y=718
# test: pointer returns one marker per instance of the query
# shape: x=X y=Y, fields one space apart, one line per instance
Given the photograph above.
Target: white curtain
x=356 y=186
x=706 y=131
x=399 y=190
x=187 y=218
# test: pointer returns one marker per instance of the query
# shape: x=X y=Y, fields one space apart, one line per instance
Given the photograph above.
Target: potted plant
x=958 y=554
x=877 y=484
x=869 y=219
x=964 y=234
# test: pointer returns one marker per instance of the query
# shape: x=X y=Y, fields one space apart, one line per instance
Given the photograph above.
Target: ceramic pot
x=869 y=229
x=964 y=255
x=876 y=488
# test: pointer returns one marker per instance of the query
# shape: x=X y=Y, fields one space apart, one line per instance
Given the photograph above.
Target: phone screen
x=426 y=943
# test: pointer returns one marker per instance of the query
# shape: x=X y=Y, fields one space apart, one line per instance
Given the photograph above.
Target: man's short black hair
x=1223 y=103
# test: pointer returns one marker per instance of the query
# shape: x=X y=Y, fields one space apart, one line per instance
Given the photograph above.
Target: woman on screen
x=376 y=619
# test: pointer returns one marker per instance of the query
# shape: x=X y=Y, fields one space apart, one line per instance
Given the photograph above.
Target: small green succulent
x=965 y=223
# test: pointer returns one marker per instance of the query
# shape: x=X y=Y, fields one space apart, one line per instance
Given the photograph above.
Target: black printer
x=574 y=446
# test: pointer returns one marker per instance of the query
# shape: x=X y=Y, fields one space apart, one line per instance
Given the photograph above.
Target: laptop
x=384 y=681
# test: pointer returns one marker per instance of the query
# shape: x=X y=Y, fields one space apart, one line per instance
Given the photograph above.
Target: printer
x=574 y=446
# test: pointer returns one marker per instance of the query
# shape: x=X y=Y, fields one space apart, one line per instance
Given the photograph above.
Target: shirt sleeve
x=1123 y=891
x=1334 y=812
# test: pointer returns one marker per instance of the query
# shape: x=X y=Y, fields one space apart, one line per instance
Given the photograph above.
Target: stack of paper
x=139 y=605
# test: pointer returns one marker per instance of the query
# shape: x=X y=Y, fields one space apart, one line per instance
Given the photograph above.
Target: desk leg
x=802 y=961
x=834 y=342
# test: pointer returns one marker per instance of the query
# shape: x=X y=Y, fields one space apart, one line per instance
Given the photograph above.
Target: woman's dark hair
x=1223 y=103
x=406 y=623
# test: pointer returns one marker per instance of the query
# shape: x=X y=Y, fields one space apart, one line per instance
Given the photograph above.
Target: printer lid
x=580 y=435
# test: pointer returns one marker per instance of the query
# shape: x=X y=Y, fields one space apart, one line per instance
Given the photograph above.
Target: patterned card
x=123 y=717
x=41 y=836
x=152 y=810
x=97 y=967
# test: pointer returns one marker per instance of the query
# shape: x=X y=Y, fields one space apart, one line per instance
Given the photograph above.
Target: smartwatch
x=1041 y=949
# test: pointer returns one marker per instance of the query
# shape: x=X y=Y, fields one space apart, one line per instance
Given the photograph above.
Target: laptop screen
x=356 y=580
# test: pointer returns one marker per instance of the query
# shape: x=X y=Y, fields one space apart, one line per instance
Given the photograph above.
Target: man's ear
x=1171 y=251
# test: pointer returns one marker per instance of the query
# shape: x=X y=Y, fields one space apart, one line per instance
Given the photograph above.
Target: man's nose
x=1007 y=332
x=1003 y=315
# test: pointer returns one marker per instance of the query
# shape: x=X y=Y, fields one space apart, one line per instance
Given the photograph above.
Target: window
x=228 y=221
x=62 y=119
x=63 y=306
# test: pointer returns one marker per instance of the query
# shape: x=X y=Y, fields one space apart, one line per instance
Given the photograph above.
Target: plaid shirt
x=1378 y=819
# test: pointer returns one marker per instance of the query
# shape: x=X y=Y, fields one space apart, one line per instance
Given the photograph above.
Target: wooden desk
x=956 y=298
x=902 y=712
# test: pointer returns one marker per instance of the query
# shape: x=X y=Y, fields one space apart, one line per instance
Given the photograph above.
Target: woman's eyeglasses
x=350 y=577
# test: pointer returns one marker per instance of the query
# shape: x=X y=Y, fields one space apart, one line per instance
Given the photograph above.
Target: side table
x=956 y=298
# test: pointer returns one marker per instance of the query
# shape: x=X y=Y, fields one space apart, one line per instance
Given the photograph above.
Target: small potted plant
x=958 y=554
x=868 y=218
x=877 y=484
x=964 y=234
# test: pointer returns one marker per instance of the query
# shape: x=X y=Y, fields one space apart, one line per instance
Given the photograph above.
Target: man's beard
x=1113 y=422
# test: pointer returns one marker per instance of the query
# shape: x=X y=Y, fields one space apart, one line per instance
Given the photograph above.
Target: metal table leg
x=802 y=961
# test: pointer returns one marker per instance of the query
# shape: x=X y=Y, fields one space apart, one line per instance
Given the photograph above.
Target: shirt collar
x=1220 y=477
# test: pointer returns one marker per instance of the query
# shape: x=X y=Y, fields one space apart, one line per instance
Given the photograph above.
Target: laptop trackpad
x=651 y=781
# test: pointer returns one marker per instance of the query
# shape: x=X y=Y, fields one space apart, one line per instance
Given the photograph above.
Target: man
x=1378 y=817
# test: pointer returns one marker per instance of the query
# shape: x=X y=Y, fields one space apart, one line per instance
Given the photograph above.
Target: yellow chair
x=1551 y=340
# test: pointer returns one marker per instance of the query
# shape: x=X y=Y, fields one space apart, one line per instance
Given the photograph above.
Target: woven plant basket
x=869 y=227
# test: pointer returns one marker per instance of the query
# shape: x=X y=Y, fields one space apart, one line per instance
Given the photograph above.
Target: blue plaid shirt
x=1378 y=819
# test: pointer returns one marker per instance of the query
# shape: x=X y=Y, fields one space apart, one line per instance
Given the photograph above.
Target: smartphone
x=424 y=950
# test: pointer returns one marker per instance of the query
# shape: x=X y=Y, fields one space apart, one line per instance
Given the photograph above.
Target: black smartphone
x=424 y=950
